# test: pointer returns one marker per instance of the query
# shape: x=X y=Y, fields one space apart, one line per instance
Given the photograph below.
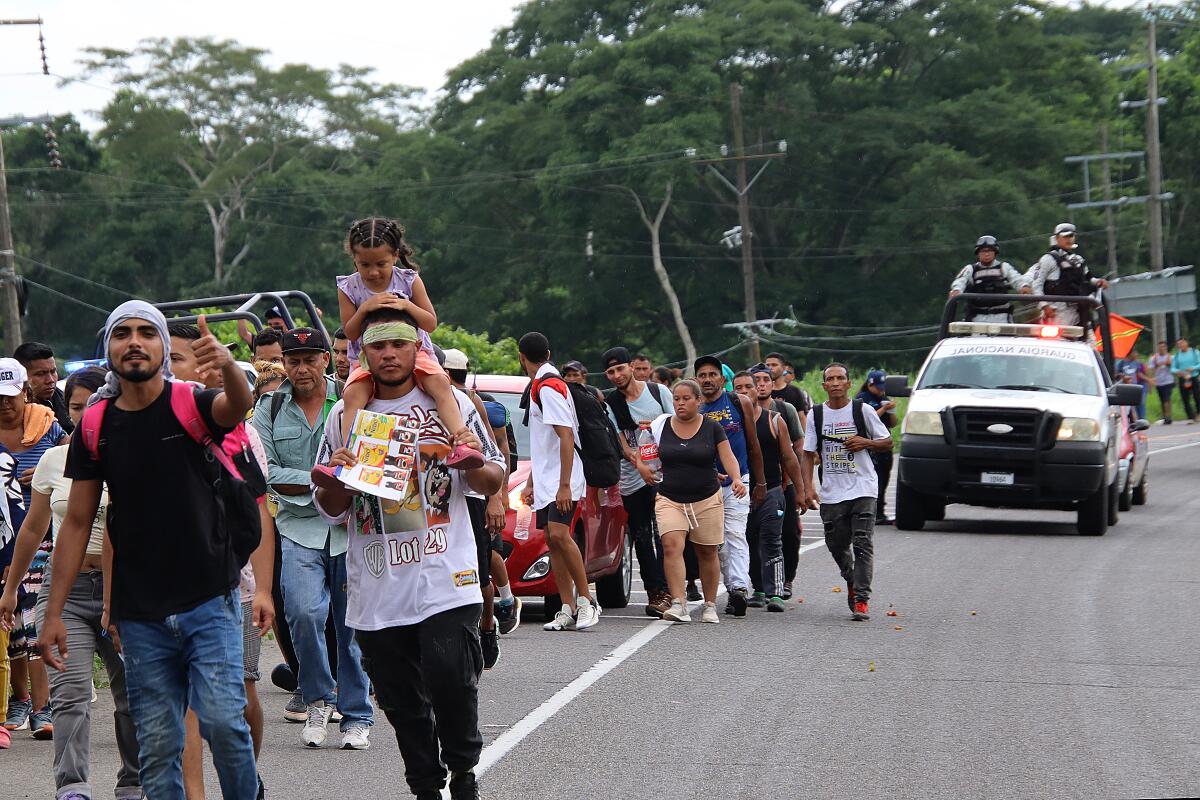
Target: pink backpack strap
x=93 y=418
x=183 y=406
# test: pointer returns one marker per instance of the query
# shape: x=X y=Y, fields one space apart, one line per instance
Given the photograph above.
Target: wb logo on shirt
x=375 y=557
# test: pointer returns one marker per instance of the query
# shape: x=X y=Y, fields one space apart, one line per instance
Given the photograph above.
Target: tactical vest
x=1072 y=275
x=988 y=280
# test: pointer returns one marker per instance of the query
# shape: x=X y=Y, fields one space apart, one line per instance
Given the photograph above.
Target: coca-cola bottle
x=648 y=450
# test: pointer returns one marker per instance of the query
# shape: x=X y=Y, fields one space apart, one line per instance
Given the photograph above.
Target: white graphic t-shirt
x=556 y=408
x=410 y=559
x=844 y=475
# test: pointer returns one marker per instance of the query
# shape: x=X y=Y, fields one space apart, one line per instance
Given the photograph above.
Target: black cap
x=576 y=366
x=273 y=312
x=615 y=355
x=702 y=360
x=304 y=339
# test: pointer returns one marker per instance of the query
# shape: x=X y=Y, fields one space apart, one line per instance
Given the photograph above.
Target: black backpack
x=620 y=406
x=598 y=446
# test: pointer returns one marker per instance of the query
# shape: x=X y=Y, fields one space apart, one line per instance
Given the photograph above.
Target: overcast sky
x=408 y=42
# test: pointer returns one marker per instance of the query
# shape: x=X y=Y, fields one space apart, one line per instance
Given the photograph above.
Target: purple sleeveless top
x=402 y=282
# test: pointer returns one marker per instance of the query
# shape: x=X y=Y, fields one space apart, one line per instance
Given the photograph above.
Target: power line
x=73 y=276
x=77 y=301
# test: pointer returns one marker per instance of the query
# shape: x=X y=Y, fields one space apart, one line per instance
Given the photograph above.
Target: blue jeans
x=190 y=659
x=312 y=581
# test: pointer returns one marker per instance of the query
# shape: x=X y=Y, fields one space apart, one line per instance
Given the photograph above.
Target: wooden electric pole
x=1154 y=204
x=10 y=305
x=1110 y=228
x=739 y=146
x=741 y=187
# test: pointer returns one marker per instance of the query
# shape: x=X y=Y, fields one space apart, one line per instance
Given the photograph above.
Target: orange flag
x=1124 y=334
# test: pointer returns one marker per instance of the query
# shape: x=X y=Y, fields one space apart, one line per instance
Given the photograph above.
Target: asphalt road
x=1024 y=661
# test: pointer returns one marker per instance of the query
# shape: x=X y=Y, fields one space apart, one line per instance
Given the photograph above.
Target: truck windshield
x=1016 y=372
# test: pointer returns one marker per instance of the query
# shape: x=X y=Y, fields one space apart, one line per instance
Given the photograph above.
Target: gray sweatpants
x=71 y=692
x=849 y=526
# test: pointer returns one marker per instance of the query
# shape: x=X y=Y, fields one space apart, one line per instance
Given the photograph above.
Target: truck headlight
x=923 y=423
x=1079 y=429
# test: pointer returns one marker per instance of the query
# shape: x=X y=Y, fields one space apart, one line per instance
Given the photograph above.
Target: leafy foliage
x=912 y=128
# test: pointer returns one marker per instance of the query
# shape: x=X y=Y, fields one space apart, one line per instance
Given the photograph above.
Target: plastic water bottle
x=648 y=451
x=524 y=516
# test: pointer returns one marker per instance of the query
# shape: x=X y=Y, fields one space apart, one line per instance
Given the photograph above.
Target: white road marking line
x=557 y=702
x=505 y=742
x=1174 y=447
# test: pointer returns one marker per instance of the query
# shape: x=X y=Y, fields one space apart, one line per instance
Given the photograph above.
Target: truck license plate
x=997 y=478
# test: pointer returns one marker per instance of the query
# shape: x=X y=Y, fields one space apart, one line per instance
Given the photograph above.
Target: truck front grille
x=986 y=426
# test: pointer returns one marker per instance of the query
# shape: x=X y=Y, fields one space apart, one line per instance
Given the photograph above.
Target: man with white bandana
x=413 y=588
x=175 y=607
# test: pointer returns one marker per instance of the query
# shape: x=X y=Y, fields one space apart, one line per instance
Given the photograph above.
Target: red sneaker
x=860 y=611
x=463 y=457
x=5 y=738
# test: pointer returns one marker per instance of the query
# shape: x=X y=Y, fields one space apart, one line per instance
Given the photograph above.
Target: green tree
x=486 y=357
x=216 y=112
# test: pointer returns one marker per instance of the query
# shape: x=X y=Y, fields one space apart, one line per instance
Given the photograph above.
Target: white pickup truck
x=1011 y=416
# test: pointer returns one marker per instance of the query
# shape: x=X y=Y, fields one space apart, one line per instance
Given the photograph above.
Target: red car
x=599 y=525
x=1133 y=476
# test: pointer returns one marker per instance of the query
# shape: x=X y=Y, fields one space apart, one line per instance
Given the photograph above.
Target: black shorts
x=550 y=513
x=477 y=507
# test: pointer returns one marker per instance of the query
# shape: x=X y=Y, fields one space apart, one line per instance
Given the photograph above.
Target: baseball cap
x=615 y=355
x=1063 y=227
x=456 y=359
x=574 y=365
x=876 y=377
x=273 y=312
x=303 y=340
x=12 y=377
x=702 y=360
x=759 y=367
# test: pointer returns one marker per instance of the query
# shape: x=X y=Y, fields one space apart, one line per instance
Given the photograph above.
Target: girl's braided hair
x=377 y=232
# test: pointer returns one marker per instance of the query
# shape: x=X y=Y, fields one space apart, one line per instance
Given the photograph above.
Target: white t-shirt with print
x=408 y=560
x=555 y=409
x=49 y=479
x=844 y=475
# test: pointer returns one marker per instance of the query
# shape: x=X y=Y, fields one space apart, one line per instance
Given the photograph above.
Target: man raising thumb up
x=174 y=576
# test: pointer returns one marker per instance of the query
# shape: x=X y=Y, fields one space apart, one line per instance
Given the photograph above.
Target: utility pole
x=741 y=189
x=1155 y=164
x=1110 y=228
x=10 y=305
x=751 y=304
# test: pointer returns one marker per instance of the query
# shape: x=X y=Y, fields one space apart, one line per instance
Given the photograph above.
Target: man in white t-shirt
x=840 y=436
x=413 y=594
x=556 y=483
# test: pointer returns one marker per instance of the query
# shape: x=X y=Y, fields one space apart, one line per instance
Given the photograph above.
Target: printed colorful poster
x=385 y=446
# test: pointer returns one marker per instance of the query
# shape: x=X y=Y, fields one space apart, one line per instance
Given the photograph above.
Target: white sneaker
x=562 y=621
x=589 y=615
x=678 y=612
x=710 y=614
x=356 y=737
x=313 y=734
